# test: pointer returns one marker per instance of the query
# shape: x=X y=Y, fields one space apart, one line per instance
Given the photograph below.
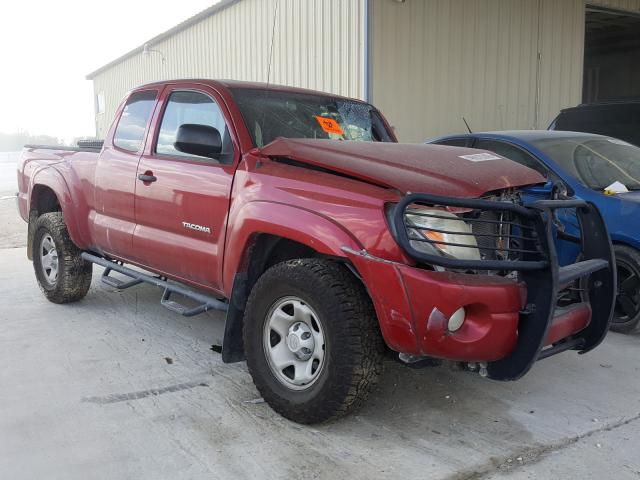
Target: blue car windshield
x=596 y=161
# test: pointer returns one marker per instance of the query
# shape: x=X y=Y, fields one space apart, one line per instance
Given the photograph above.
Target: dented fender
x=413 y=306
x=314 y=230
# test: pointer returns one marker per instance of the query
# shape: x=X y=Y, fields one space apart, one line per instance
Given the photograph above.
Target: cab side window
x=189 y=107
x=129 y=134
x=513 y=153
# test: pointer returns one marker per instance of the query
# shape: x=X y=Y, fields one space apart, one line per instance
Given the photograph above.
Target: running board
x=569 y=344
x=206 y=302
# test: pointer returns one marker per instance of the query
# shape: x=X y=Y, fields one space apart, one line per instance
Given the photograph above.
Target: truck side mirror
x=201 y=140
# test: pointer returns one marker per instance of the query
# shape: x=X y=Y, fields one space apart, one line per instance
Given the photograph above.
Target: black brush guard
x=538 y=265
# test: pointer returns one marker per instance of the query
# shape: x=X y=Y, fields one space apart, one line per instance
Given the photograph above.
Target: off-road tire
x=354 y=345
x=627 y=259
x=74 y=273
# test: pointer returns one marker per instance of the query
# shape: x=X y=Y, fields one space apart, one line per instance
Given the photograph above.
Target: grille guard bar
x=544 y=278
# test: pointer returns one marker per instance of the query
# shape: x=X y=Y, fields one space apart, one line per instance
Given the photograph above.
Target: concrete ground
x=116 y=386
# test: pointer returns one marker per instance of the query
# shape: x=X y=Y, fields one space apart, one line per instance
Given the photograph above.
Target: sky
x=47 y=47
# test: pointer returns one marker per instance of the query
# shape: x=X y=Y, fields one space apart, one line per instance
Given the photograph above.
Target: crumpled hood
x=409 y=168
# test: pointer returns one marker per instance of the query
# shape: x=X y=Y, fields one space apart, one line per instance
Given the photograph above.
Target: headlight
x=445 y=234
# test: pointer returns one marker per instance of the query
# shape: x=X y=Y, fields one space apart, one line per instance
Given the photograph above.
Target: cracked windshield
x=300 y=115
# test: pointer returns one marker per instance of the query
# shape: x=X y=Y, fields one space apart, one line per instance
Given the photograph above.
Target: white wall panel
x=432 y=61
x=435 y=61
x=317 y=44
x=561 y=57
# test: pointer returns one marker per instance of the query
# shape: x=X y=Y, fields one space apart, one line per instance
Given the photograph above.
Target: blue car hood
x=629 y=197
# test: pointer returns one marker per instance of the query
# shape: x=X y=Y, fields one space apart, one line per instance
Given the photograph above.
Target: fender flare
x=625 y=240
x=51 y=178
x=318 y=232
x=309 y=228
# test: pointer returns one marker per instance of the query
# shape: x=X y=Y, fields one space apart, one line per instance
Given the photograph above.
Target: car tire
x=328 y=311
x=62 y=274
x=626 y=316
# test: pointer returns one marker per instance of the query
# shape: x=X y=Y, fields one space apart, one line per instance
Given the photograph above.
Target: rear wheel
x=62 y=274
x=312 y=341
x=626 y=316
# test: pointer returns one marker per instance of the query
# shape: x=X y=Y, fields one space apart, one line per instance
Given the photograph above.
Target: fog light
x=456 y=320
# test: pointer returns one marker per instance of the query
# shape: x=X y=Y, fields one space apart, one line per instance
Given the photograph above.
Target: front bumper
x=509 y=324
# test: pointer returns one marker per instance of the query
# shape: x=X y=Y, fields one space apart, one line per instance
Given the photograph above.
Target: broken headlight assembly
x=439 y=232
x=482 y=235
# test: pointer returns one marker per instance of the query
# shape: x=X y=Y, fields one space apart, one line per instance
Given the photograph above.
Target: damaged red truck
x=325 y=241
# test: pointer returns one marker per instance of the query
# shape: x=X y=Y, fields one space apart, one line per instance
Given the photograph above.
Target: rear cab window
x=129 y=134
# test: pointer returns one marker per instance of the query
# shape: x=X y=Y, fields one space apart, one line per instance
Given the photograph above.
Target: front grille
x=487 y=235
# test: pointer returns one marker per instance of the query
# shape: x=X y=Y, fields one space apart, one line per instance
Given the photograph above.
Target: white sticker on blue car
x=480 y=157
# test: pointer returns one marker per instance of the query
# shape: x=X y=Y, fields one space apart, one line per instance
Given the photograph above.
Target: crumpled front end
x=487 y=286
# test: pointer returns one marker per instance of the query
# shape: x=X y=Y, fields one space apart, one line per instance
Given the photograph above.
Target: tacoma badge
x=199 y=228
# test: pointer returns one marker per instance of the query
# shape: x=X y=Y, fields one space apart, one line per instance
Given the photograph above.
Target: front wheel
x=312 y=341
x=626 y=315
x=62 y=274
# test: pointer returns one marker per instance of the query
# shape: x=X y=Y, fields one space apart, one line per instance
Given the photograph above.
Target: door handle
x=147 y=177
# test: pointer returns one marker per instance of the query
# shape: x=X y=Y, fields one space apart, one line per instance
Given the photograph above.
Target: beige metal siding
x=435 y=61
x=561 y=57
x=317 y=44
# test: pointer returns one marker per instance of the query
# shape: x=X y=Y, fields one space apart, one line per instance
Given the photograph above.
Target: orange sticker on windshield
x=329 y=125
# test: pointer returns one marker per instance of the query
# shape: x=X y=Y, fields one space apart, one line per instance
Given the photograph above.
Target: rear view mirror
x=201 y=140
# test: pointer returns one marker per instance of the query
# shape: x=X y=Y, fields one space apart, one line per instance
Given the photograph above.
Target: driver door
x=181 y=200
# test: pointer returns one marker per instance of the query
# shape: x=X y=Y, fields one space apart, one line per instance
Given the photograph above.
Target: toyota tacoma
x=325 y=241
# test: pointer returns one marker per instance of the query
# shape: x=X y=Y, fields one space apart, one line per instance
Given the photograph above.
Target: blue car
x=586 y=165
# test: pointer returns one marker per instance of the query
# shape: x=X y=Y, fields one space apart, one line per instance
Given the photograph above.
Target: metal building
x=501 y=64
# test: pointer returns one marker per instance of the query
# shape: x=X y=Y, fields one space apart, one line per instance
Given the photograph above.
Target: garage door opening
x=611 y=55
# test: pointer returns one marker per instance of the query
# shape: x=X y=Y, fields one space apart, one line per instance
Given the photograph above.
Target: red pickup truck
x=325 y=241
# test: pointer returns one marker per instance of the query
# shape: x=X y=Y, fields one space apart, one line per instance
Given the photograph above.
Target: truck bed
x=84 y=148
x=54 y=161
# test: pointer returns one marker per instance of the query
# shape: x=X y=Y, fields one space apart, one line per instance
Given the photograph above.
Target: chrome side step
x=206 y=302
